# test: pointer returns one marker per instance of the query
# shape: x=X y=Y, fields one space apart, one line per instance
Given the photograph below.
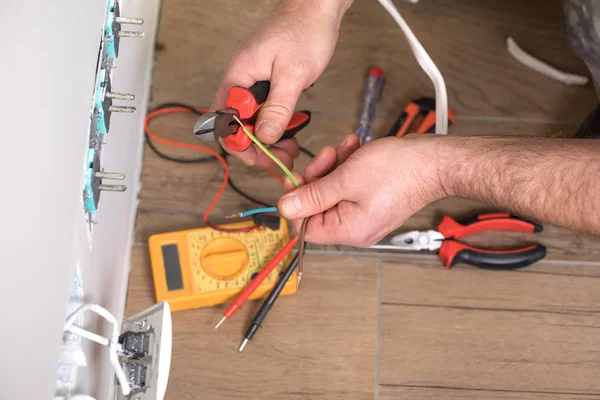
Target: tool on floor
x=269 y=301
x=443 y=241
x=257 y=280
x=418 y=117
x=204 y=267
x=371 y=96
x=244 y=104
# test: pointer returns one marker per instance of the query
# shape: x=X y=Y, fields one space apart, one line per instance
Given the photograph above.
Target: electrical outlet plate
x=156 y=323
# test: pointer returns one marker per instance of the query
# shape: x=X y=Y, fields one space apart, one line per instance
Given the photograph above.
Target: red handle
x=239 y=141
x=248 y=101
x=452 y=252
x=450 y=228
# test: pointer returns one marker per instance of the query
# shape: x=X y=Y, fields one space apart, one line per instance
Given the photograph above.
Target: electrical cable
x=428 y=66
x=232 y=185
x=257 y=280
x=269 y=302
x=543 y=68
x=245 y=195
x=220 y=158
x=253 y=212
x=295 y=182
x=197 y=111
x=307 y=152
x=268 y=152
x=301 y=253
x=112 y=341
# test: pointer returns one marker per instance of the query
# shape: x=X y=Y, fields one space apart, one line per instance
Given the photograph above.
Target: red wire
x=172 y=110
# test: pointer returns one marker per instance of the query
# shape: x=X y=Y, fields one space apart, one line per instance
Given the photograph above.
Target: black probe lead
x=269 y=301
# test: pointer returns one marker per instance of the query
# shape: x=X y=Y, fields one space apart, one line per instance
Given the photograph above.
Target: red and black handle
x=452 y=229
x=247 y=102
x=418 y=117
x=452 y=252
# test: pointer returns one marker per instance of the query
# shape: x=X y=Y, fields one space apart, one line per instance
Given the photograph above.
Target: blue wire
x=258 y=211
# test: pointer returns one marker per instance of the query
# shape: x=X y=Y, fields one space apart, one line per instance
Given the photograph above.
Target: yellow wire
x=268 y=152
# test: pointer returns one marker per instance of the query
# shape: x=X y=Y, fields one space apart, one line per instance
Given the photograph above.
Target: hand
x=291 y=49
x=355 y=196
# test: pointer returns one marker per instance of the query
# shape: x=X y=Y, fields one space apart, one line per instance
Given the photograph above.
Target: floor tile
x=467 y=333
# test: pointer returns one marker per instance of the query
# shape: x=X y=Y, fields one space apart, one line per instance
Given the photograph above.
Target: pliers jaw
x=216 y=125
x=412 y=241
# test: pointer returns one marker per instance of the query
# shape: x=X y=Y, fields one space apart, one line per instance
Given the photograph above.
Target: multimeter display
x=172 y=267
x=205 y=267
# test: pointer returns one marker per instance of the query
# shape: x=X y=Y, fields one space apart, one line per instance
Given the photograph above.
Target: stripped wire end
x=236 y=215
x=298 y=279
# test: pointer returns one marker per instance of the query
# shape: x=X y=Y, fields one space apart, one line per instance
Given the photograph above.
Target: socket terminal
x=103 y=103
x=113 y=32
x=94 y=182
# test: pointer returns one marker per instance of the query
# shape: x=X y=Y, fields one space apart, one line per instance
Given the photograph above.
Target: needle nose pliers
x=244 y=104
x=451 y=252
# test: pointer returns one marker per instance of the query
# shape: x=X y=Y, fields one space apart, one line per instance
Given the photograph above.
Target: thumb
x=313 y=198
x=276 y=113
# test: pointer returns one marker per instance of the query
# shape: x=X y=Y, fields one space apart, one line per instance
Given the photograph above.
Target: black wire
x=247 y=196
x=232 y=185
x=307 y=152
x=166 y=156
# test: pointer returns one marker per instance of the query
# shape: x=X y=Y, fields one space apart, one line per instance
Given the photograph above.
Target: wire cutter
x=244 y=104
x=452 y=252
x=418 y=117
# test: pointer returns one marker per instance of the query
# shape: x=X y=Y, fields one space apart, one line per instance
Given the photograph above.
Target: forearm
x=550 y=180
x=333 y=8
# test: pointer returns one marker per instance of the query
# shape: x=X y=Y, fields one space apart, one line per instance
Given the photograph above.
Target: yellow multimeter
x=204 y=267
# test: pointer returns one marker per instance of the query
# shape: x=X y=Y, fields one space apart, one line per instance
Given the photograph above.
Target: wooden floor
x=374 y=325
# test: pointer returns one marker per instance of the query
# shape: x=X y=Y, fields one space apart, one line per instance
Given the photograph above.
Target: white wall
x=48 y=54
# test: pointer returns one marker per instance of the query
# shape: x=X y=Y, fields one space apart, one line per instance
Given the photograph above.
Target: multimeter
x=205 y=267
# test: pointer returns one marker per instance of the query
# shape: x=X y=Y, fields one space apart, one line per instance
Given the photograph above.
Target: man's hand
x=291 y=50
x=355 y=196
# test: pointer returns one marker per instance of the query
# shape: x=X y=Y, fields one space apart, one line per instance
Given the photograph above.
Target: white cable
x=112 y=342
x=89 y=335
x=537 y=65
x=427 y=64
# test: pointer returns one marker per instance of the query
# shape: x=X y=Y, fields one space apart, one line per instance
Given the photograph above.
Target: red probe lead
x=258 y=279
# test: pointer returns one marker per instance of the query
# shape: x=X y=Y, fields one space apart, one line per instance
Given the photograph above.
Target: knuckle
x=315 y=196
x=276 y=110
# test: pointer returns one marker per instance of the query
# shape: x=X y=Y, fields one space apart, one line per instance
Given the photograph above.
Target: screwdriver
x=371 y=96
x=269 y=301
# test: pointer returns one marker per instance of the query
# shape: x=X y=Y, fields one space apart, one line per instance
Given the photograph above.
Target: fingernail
x=290 y=204
x=269 y=128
